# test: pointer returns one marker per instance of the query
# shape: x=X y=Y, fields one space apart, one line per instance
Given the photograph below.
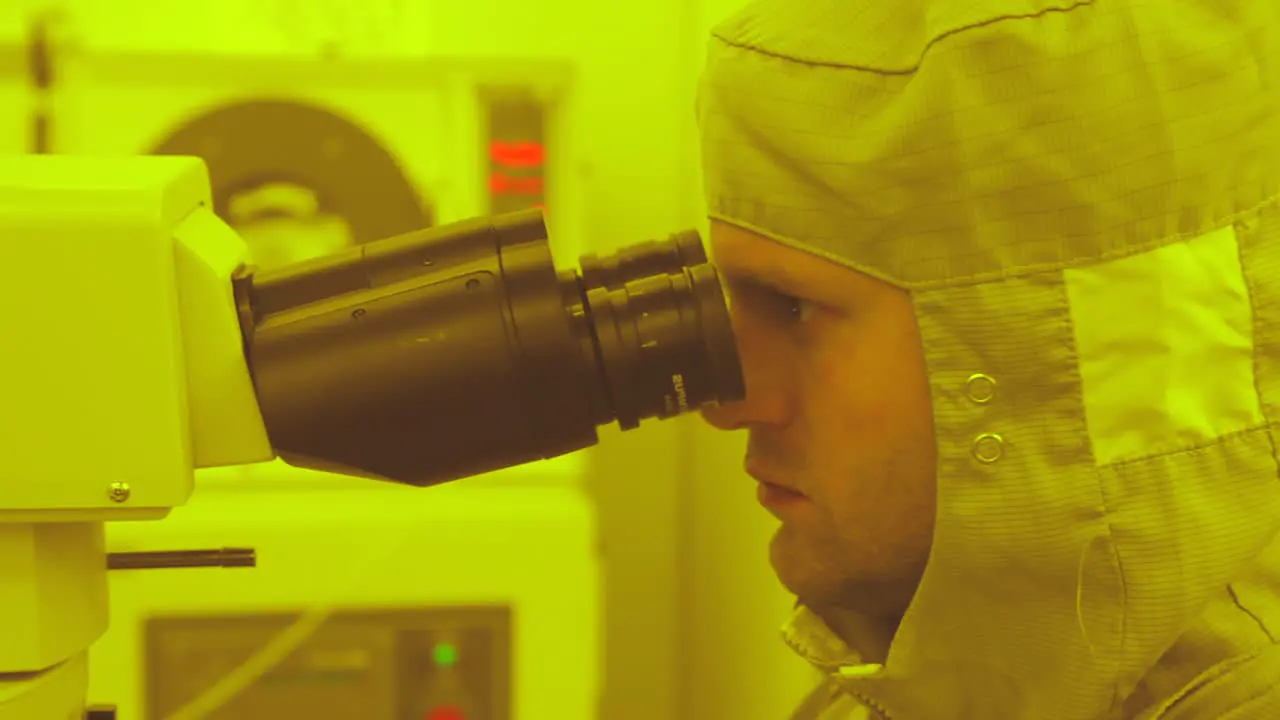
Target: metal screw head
x=119 y=492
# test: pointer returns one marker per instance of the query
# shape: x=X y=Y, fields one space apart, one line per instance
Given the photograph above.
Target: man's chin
x=799 y=572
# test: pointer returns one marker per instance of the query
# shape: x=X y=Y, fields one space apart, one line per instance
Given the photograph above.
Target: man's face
x=838 y=410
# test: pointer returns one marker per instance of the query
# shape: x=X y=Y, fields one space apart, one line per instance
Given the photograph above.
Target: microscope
x=139 y=346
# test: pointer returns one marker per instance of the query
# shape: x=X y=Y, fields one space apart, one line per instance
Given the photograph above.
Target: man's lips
x=765 y=478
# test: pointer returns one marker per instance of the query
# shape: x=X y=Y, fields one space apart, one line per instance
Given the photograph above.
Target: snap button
x=981 y=388
x=988 y=448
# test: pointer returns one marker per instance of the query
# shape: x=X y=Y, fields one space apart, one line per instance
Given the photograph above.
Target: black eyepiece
x=457 y=350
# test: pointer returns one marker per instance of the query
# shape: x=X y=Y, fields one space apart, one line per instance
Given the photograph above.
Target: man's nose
x=724 y=417
x=765 y=402
x=762 y=375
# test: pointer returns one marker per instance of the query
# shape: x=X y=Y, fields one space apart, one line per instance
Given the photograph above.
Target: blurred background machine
x=629 y=581
x=310 y=155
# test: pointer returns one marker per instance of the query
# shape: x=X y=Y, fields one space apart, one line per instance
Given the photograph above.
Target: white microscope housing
x=115 y=389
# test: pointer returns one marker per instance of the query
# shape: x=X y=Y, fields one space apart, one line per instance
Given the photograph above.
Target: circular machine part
x=252 y=144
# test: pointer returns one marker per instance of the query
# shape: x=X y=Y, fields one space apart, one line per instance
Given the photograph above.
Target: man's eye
x=795 y=309
x=768 y=301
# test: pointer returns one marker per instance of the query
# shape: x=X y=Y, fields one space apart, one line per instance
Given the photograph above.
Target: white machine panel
x=449 y=603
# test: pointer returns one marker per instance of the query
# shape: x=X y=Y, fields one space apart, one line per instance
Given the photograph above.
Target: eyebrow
x=768 y=278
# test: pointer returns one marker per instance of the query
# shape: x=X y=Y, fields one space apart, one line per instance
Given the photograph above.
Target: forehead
x=732 y=245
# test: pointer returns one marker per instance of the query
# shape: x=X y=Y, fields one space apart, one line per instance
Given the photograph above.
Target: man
x=1005 y=277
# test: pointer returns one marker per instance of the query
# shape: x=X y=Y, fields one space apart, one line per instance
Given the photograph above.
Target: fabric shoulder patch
x=1165 y=347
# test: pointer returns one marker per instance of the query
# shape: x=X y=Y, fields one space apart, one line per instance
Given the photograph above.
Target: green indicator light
x=446 y=654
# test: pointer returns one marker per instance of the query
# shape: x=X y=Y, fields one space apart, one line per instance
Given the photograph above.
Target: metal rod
x=224 y=557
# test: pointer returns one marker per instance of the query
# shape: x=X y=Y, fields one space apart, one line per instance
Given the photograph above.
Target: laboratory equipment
x=140 y=347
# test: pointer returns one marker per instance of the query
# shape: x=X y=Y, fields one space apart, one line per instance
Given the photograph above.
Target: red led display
x=447 y=712
x=515 y=149
x=503 y=184
x=517 y=154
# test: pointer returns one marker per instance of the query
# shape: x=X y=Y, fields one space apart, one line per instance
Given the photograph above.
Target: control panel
x=449 y=663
